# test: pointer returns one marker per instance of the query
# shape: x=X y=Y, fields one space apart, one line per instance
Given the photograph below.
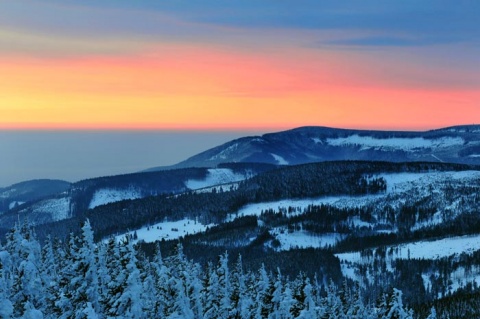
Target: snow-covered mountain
x=458 y=144
x=61 y=200
x=28 y=191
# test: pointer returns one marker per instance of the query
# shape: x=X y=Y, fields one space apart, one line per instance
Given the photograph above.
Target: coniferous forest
x=112 y=279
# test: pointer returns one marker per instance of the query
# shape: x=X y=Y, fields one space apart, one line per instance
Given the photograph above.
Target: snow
x=166 y=230
x=441 y=248
x=301 y=204
x=435 y=249
x=304 y=239
x=14 y=204
x=395 y=143
x=396 y=183
x=57 y=208
x=215 y=176
x=402 y=181
x=109 y=195
x=224 y=153
x=280 y=160
x=428 y=250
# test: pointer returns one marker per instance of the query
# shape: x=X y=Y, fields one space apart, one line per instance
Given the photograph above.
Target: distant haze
x=77 y=155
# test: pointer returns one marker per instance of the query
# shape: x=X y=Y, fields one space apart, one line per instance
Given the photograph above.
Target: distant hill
x=28 y=191
x=48 y=204
x=457 y=144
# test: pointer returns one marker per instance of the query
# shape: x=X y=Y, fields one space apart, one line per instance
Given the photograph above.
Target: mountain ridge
x=456 y=144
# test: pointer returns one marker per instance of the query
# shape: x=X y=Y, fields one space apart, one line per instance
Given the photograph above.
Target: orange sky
x=52 y=81
x=198 y=88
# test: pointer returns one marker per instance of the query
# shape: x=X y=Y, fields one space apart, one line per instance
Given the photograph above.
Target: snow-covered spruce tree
x=224 y=285
x=264 y=294
x=84 y=271
x=26 y=284
x=179 y=286
x=160 y=275
x=332 y=306
x=395 y=309
x=277 y=298
x=127 y=303
x=241 y=299
x=79 y=284
x=309 y=310
x=6 y=307
x=210 y=297
x=50 y=279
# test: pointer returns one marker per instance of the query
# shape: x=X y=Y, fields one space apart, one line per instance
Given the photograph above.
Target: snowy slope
x=429 y=250
x=216 y=176
x=108 y=195
x=366 y=142
x=167 y=230
x=304 y=239
x=402 y=188
x=435 y=249
x=49 y=210
x=301 y=204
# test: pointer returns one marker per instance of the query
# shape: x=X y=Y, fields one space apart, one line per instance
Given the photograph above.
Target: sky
x=237 y=65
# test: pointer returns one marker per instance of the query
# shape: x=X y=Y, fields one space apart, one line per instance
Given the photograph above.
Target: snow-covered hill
x=108 y=195
x=460 y=144
x=28 y=191
x=402 y=189
x=449 y=248
x=218 y=176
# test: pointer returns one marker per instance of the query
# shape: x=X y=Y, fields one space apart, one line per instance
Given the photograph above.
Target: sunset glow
x=224 y=77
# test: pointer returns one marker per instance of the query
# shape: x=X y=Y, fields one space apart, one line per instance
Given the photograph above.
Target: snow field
x=280 y=160
x=403 y=181
x=304 y=239
x=14 y=204
x=58 y=208
x=395 y=143
x=167 y=230
x=300 y=205
x=108 y=195
x=215 y=176
x=425 y=249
